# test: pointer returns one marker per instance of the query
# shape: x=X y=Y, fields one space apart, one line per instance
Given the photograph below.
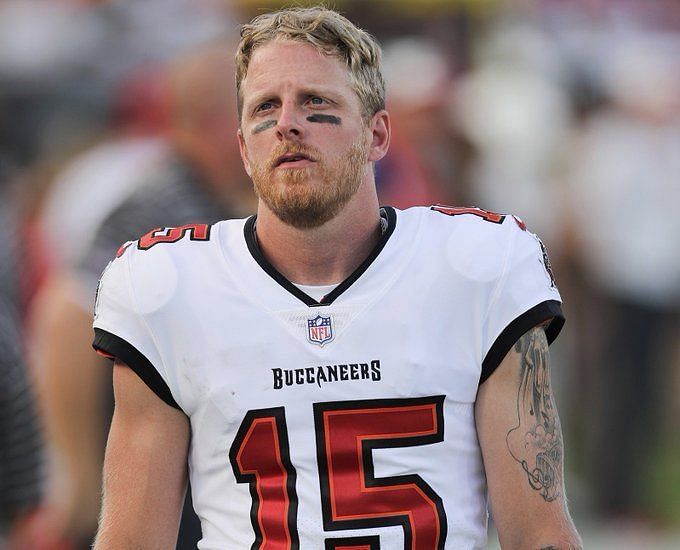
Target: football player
x=335 y=374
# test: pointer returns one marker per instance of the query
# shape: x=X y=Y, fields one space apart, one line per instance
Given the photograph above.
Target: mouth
x=293 y=160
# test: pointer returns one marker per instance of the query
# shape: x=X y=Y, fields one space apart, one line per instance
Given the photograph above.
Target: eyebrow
x=320 y=91
x=331 y=95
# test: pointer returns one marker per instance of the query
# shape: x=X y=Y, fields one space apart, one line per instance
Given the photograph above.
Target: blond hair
x=330 y=33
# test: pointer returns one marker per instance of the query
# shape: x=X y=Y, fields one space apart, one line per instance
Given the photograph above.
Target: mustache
x=312 y=153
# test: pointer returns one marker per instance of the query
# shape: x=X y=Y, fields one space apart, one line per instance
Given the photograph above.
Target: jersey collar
x=387 y=213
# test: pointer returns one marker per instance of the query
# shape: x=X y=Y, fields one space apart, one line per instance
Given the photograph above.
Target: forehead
x=282 y=64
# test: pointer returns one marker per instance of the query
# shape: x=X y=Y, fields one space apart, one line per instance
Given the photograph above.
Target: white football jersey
x=344 y=423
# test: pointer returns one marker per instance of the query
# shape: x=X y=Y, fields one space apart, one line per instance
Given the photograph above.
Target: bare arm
x=144 y=470
x=72 y=393
x=521 y=440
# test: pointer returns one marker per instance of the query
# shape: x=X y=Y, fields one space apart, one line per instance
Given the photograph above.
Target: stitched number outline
x=479 y=212
x=197 y=232
x=347 y=432
x=260 y=456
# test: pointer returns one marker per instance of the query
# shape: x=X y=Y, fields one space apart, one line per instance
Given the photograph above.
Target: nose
x=289 y=125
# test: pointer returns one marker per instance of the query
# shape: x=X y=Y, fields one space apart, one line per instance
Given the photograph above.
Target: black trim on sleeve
x=111 y=344
x=550 y=309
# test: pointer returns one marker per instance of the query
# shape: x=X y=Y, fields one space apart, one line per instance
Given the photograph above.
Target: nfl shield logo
x=320 y=329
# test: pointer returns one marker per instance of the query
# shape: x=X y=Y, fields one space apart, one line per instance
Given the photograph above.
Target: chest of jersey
x=335 y=426
x=344 y=424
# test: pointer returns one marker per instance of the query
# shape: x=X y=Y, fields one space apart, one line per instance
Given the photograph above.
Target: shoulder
x=464 y=221
x=186 y=240
x=151 y=273
x=473 y=240
x=474 y=217
x=165 y=254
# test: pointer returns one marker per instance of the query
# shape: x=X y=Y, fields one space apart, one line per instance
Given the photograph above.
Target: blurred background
x=119 y=116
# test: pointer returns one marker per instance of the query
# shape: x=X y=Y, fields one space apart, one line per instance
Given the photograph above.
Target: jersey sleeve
x=526 y=295
x=120 y=331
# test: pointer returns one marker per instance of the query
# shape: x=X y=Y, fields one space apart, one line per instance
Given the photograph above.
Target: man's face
x=302 y=138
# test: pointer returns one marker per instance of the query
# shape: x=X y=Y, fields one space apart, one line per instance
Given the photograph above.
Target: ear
x=381 y=131
x=242 y=150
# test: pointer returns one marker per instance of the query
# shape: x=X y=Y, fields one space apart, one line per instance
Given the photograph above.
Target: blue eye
x=316 y=100
x=265 y=106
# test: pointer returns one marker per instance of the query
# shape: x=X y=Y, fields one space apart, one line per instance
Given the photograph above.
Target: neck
x=327 y=254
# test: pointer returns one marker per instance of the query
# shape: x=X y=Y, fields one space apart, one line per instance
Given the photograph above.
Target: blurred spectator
x=21 y=457
x=512 y=108
x=196 y=178
x=61 y=62
x=83 y=194
x=61 y=67
x=624 y=210
x=97 y=180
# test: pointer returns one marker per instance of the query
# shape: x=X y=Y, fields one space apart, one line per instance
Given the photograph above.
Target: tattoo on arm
x=536 y=441
x=264 y=126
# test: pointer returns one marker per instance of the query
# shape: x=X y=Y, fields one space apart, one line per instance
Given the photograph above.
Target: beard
x=310 y=196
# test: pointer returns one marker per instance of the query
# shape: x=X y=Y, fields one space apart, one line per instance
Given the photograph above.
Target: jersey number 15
x=351 y=496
